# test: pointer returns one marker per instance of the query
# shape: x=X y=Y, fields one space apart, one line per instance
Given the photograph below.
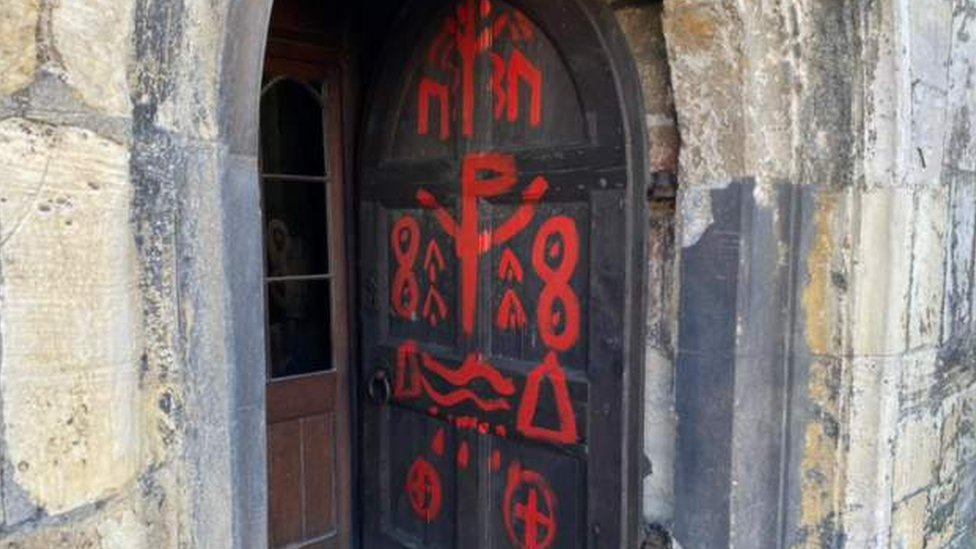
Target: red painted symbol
x=565 y=433
x=405 y=239
x=511 y=314
x=463 y=455
x=529 y=509
x=431 y=89
x=509 y=267
x=407 y=382
x=433 y=260
x=437 y=445
x=469 y=32
x=411 y=382
x=424 y=489
x=435 y=309
x=558 y=326
x=469 y=241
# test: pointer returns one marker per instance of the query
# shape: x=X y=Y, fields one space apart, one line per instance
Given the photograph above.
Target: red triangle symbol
x=525 y=422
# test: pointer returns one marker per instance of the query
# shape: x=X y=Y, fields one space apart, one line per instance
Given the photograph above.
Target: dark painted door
x=496 y=262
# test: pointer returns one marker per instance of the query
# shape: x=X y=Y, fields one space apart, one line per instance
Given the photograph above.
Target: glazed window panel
x=296 y=216
x=299 y=332
x=291 y=128
x=295 y=202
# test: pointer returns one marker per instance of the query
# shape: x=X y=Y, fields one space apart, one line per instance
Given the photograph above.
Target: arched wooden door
x=501 y=260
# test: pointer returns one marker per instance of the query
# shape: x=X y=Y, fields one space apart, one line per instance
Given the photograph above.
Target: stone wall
x=109 y=158
x=862 y=114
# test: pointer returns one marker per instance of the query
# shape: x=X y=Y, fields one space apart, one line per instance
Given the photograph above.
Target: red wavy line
x=470 y=370
x=460 y=395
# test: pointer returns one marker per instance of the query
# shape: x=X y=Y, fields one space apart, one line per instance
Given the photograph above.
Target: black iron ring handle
x=378 y=389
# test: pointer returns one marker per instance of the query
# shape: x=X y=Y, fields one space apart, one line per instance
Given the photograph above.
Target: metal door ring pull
x=378 y=389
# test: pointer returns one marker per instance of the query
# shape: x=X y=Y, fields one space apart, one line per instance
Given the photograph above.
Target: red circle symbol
x=530 y=509
x=424 y=489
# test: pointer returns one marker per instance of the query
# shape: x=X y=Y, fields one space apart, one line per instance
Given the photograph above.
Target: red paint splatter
x=525 y=420
x=496 y=460
x=405 y=240
x=407 y=382
x=424 y=489
x=536 y=513
x=556 y=280
x=437 y=445
x=463 y=455
x=500 y=430
x=483 y=428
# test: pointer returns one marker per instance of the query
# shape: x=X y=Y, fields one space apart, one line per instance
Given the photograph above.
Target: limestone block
x=706 y=67
x=191 y=108
x=918 y=377
x=928 y=267
x=70 y=314
x=882 y=272
x=18 y=46
x=94 y=43
x=961 y=143
x=958 y=305
x=908 y=523
x=931 y=40
x=916 y=458
x=929 y=106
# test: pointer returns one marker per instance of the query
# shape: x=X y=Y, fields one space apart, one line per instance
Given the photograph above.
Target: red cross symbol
x=424 y=489
x=538 y=521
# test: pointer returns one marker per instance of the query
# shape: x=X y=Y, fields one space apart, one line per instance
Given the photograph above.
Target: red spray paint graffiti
x=565 y=249
x=549 y=370
x=405 y=239
x=529 y=509
x=411 y=382
x=469 y=241
x=424 y=490
x=470 y=32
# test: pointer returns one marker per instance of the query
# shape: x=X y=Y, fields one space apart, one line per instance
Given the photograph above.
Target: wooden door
x=501 y=249
x=307 y=391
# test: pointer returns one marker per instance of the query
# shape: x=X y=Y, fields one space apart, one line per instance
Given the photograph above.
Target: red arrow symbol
x=509 y=268
x=433 y=258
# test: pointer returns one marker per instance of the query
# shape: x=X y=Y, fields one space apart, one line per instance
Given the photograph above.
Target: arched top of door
x=587 y=105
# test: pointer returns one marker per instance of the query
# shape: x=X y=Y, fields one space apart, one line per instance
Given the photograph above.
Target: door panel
x=497 y=244
x=307 y=392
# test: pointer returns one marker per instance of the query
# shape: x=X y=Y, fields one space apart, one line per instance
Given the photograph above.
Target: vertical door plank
x=320 y=473
x=285 y=482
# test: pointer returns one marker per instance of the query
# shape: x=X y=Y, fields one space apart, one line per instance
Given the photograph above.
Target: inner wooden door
x=305 y=293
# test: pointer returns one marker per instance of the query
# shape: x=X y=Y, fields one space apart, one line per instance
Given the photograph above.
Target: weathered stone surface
x=93 y=41
x=704 y=46
x=69 y=315
x=192 y=106
x=18 y=45
x=882 y=275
